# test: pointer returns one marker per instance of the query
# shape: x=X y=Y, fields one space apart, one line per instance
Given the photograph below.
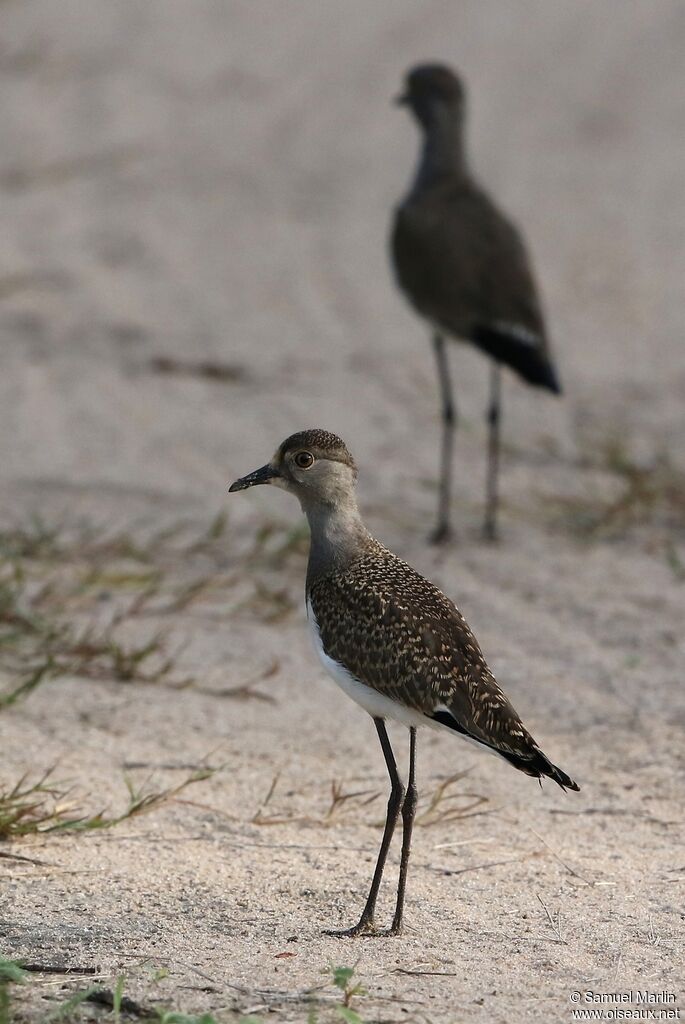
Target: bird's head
x=433 y=92
x=314 y=465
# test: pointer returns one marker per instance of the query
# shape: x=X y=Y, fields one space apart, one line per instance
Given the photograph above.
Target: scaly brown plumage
x=395 y=632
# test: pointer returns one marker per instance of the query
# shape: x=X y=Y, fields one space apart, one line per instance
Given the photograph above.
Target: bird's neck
x=338 y=537
x=442 y=153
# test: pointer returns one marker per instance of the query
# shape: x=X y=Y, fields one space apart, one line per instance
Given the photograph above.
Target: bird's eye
x=304 y=460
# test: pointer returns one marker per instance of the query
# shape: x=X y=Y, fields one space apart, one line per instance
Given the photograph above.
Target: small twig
x=464 y=842
x=58 y=969
x=206 y=807
x=28 y=860
x=563 y=863
x=441 y=809
x=170 y=766
x=339 y=798
x=555 y=925
x=244 y=692
x=432 y=974
x=272 y=789
x=294 y=846
x=474 y=867
x=617 y=812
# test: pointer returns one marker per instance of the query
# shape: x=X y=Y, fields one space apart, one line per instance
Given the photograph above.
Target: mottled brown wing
x=397 y=633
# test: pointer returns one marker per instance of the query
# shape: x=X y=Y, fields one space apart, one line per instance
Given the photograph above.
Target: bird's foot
x=365 y=927
x=366 y=930
x=395 y=928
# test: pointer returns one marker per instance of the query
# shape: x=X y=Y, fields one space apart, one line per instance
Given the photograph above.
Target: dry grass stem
x=30 y=808
x=445 y=806
x=54 y=579
x=645 y=492
x=571 y=871
x=554 y=920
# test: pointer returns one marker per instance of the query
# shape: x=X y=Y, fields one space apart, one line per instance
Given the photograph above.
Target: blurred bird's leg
x=365 y=925
x=494 y=416
x=442 y=529
x=408 y=812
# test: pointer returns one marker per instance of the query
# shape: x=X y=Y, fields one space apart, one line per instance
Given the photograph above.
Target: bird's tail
x=539 y=765
x=523 y=352
x=526 y=756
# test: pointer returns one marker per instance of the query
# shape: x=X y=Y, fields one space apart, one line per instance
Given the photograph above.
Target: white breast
x=375 y=703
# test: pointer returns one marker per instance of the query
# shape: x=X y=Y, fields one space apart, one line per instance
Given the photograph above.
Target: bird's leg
x=408 y=812
x=365 y=925
x=494 y=416
x=442 y=529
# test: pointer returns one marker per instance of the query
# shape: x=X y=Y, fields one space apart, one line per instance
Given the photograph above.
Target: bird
x=391 y=640
x=464 y=267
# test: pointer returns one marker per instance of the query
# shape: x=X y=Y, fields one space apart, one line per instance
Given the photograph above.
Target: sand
x=213 y=182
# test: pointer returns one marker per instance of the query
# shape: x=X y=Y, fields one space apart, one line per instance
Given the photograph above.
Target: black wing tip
x=537 y=370
x=541 y=767
x=564 y=780
x=533 y=763
x=550 y=380
x=524 y=355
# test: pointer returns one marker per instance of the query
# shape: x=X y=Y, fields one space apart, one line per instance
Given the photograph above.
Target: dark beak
x=402 y=100
x=260 y=476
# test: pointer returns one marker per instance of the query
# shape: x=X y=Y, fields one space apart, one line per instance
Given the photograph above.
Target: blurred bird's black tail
x=521 y=350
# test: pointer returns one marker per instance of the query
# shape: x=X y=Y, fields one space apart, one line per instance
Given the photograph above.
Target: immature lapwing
x=464 y=267
x=390 y=639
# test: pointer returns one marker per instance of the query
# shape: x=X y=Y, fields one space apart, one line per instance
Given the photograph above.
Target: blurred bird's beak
x=260 y=476
x=402 y=100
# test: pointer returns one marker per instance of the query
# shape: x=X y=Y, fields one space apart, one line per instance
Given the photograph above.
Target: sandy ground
x=213 y=181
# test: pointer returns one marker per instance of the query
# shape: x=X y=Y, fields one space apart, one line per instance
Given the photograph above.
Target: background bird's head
x=314 y=465
x=433 y=92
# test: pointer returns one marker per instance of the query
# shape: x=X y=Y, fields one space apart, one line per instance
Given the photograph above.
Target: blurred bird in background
x=464 y=267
